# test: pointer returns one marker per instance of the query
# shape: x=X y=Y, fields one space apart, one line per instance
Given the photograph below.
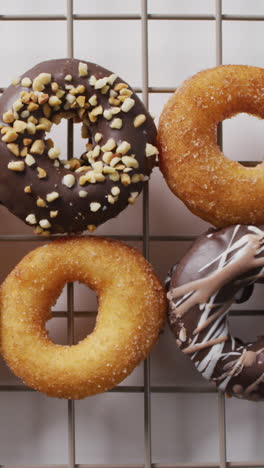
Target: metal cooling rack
x=144 y=17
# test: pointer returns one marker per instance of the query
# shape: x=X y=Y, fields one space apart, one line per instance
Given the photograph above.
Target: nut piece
x=44 y=223
x=54 y=101
x=100 y=83
x=50 y=197
x=10 y=136
x=8 y=117
x=151 y=150
x=139 y=120
x=83 y=69
x=68 y=180
x=53 y=214
x=94 y=206
x=116 y=123
x=54 y=153
x=41 y=173
x=31 y=219
x=97 y=137
x=19 y=126
x=123 y=148
x=109 y=145
x=14 y=148
x=133 y=197
x=26 y=82
x=31 y=128
x=27 y=189
x=37 y=147
x=91 y=227
x=41 y=203
x=82 y=194
x=29 y=160
x=127 y=105
x=68 y=78
x=18 y=166
x=115 y=191
x=130 y=162
x=93 y=100
x=18 y=104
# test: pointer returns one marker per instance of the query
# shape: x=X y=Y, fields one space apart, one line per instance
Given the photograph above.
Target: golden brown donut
x=212 y=186
x=131 y=310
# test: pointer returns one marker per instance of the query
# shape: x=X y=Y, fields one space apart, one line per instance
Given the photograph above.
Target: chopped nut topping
x=70 y=98
x=24 y=152
x=41 y=173
x=111 y=79
x=97 y=111
x=120 y=86
x=91 y=227
x=104 y=89
x=26 y=82
x=10 y=136
x=115 y=161
x=25 y=114
x=60 y=93
x=84 y=132
x=109 y=170
x=139 y=120
x=115 y=110
x=53 y=214
x=41 y=203
x=50 y=197
x=19 y=126
x=81 y=100
x=130 y=162
x=92 y=80
x=46 y=110
x=31 y=219
x=45 y=224
x=38 y=85
x=125 y=179
x=18 y=166
x=83 y=69
x=68 y=180
x=126 y=92
x=114 y=177
x=109 y=145
x=54 y=101
x=54 y=153
x=29 y=160
x=56 y=119
x=82 y=194
x=127 y=105
x=97 y=137
x=108 y=156
x=93 y=100
x=133 y=197
x=151 y=150
x=54 y=86
x=115 y=191
x=27 y=141
x=31 y=128
x=14 y=148
x=98 y=166
x=113 y=101
x=18 y=104
x=8 y=117
x=38 y=147
x=27 y=189
x=15 y=81
x=123 y=148
x=32 y=106
x=100 y=83
x=116 y=123
x=68 y=78
x=94 y=206
x=111 y=199
x=107 y=114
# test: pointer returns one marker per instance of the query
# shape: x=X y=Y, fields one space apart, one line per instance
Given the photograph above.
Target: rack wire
x=146 y=389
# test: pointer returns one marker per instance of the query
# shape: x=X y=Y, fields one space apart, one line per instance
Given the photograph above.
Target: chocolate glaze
x=74 y=212
x=221 y=268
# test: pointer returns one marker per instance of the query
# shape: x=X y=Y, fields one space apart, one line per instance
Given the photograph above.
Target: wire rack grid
x=147 y=389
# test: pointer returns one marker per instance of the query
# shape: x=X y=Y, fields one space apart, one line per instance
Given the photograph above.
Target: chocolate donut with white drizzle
x=221 y=268
x=53 y=195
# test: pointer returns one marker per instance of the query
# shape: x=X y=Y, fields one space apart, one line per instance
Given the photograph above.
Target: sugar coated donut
x=131 y=312
x=212 y=186
x=220 y=268
x=56 y=195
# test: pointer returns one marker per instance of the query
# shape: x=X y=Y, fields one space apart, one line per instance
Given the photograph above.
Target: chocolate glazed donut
x=56 y=195
x=220 y=268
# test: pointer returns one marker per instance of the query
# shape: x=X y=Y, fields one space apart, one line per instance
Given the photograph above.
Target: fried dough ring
x=212 y=186
x=131 y=312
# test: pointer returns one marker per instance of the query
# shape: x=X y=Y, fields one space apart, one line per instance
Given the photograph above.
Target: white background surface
x=110 y=427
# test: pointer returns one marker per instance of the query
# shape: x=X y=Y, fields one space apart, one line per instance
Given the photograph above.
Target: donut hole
x=243 y=139
x=57 y=135
x=85 y=313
